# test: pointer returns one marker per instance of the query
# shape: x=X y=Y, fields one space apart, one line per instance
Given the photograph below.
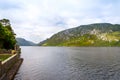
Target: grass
x=4 y=56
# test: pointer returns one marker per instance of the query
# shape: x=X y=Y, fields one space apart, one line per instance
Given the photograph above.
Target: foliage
x=7 y=38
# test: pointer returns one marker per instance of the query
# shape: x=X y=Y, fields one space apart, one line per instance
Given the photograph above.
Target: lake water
x=69 y=63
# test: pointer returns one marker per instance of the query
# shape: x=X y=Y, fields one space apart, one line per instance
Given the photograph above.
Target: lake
x=69 y=63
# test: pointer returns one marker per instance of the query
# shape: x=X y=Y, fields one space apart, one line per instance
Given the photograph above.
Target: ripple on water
x=57 y=63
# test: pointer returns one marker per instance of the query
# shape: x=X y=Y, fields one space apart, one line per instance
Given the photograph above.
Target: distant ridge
x=23 y=42
x=97 y=34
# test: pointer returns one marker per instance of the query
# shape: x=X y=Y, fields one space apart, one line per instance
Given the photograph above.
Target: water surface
x=70 y=63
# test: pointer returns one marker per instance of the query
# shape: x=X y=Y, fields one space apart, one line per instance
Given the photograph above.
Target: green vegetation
x=4 y=56
x=102 y=34
x=85 y=40
x=7 y=38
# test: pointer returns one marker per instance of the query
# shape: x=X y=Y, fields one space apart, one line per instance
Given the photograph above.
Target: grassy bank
x=4 y=56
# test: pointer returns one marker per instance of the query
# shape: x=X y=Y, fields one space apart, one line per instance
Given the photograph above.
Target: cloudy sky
x=36 y=20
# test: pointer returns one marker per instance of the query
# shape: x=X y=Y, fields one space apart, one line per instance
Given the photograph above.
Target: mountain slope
x=99 y=34
x=23 y=42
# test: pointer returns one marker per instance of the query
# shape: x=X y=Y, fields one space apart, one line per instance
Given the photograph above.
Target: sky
x=37 y=20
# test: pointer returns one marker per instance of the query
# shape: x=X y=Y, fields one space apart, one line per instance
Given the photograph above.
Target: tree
x=7 y=37
x=5 y=22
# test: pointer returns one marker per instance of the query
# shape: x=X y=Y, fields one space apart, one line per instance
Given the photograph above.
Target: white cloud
x=37 y=20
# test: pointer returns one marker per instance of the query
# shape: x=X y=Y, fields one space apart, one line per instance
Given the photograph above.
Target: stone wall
x=7 y=64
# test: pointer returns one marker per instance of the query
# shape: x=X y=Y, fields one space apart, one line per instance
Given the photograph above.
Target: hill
x=99 y=34
x=23 y=42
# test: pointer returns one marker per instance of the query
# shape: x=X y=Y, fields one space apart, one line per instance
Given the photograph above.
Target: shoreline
x=13 y=70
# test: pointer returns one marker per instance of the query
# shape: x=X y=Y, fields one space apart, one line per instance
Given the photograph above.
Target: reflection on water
x=69 y=63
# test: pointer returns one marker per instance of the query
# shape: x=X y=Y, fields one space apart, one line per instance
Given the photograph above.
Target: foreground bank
x=10 y=66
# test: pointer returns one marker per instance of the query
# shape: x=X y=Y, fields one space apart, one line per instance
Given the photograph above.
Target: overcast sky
x=36 y=20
